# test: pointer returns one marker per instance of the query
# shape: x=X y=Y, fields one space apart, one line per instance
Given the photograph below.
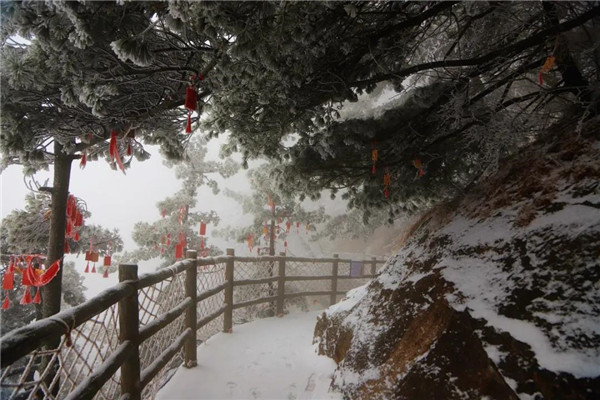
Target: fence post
x=334 y=275
x=228 y=315
x=373 y=265
x=129 y=320
x=281 y=286
x=191 y=312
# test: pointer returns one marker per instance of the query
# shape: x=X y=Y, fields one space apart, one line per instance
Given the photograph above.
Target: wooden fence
x=118 y=344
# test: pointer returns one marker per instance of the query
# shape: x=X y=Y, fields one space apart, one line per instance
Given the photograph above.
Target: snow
x=349 y=301
x=485 y=284
x=272 y=358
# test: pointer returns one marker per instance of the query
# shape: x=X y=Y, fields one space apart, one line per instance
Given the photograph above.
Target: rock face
x=496 y=296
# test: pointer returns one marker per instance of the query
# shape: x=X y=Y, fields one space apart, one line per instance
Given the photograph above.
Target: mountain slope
x=495 y=295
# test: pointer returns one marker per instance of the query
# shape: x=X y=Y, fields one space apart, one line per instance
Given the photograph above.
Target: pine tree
x=275 y=214
x=80 y=85
x=180 y=220
x=26 y=232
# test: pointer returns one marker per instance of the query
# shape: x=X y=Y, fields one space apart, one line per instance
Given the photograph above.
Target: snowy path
x=271 y=358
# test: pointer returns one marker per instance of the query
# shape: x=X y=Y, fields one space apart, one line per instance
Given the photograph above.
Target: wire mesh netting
x=52 y=374
x=254 y=270
x=155 y=301
x=209 y=277
x=304 y=268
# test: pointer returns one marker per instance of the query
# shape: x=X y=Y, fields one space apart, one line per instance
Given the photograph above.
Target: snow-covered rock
x=495 y=296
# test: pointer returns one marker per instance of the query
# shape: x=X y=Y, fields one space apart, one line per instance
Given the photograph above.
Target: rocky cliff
x=494 y=296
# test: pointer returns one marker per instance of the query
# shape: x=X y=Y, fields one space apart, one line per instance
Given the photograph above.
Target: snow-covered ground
x=272 y=358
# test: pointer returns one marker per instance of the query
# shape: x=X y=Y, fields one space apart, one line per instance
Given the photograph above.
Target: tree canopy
x=474 y=80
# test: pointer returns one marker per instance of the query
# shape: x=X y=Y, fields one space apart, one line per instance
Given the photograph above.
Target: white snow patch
x=349 y=301
x=483 y=286
x=494 y=353
x=345 y=376
x=272 y=358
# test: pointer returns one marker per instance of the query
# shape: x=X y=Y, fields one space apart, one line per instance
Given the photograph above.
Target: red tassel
x=26 y=297
x=112 y=145
x=386 y=192
x=129 y=148
x=83 y=161
x=105 y=273
x=78 y=219
x=8 y=280
x=188 y=126
x=191 y=100
x=67 y=249
x=71 y=204
x=28 y=278
x=6 y=303
x=541 y=78
x=93 y=268
x=37 y=299
x=76 y=236
x=87 y=268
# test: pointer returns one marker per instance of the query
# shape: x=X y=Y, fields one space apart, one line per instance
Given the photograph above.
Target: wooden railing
x=148 y=307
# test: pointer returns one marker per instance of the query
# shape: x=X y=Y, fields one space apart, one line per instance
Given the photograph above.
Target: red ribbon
x=113 y=150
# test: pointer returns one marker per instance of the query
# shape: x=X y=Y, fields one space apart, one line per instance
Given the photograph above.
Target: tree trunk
x=566 y=65
x=272 y=239
x=272 y=266
x=52 y=292
x=56 y=243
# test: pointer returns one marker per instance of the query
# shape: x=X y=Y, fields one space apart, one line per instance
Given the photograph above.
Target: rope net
x=209 y=277
x=303 y=268
x=52 y=374
x=254 y=270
